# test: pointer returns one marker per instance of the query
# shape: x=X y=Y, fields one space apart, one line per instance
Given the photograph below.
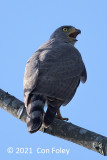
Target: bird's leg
x=59 y=116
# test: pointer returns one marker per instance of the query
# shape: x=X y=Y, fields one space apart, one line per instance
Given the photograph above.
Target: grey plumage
x=54 y=72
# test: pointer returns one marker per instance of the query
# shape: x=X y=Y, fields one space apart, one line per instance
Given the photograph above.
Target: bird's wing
x=83 y=77
x=30 y=76
x=54 y=70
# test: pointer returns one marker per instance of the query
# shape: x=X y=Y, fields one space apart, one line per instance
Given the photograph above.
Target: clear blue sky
x=24 y=26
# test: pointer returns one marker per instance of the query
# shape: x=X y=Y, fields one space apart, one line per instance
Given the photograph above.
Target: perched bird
x=52 y=75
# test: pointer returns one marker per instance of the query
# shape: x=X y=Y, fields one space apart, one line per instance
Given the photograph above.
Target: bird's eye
x=65 y=29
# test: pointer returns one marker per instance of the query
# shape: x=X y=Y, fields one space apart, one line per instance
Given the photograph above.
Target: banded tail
x=35 y=112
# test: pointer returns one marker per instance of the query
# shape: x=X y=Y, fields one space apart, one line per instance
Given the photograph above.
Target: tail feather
x=35 y=112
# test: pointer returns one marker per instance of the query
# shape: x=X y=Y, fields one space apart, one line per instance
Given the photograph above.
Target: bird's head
x=66 y=33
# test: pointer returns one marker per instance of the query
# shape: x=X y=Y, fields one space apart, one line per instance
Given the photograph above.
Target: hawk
x=52 y=75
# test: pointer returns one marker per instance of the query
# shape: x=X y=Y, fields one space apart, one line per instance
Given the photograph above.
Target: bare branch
x=62 y=129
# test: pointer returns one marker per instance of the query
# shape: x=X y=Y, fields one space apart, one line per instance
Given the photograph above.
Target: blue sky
x=24 y=26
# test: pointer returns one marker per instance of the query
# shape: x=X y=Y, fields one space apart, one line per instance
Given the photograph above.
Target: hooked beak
x=73 y=33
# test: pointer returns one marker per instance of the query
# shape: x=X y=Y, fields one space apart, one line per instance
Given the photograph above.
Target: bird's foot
x=59 y=116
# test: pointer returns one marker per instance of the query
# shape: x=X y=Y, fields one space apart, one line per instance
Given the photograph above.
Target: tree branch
x=62 y=129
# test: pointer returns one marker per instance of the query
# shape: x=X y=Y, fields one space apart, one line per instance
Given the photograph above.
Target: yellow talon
x=59 y=116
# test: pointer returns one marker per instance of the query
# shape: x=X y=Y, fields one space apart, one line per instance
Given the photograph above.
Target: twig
x=59 y=128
